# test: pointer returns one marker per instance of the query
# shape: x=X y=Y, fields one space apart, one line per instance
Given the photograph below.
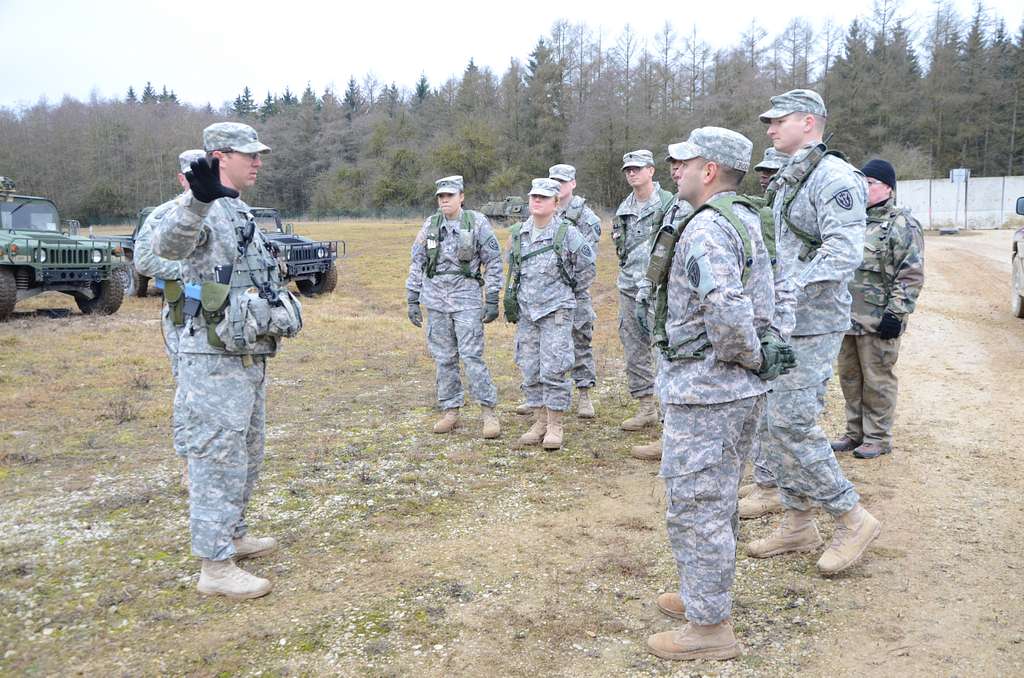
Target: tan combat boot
x=671 y=604
x=448 y=422
x=535 y=435
x=492 y=428
x=184 y=476
x=253 y=547
x=746 y=489
x=553 y=436
x=648 y=452
x=646 y=415
x=796 y=533
x=523 y=408
x=695 y=641
x=855 y=530
x=761 y=502
x=584 y=407
x=224 y=578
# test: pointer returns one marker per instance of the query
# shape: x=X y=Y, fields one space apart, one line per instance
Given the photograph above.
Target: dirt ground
x=407 y=553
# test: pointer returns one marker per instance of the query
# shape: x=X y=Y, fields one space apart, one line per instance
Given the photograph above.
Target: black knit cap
x=881 y=170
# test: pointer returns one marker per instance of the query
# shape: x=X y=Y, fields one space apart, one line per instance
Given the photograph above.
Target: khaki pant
x=869 y=385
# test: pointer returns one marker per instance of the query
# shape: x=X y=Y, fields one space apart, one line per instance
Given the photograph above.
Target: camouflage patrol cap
x=773 y=160
x=716 y=144
x=795 y=101
x=549 y=188
x=232 y=136
x=640 y=158
x=452 y=184
x=186 y=159
x=562 y=172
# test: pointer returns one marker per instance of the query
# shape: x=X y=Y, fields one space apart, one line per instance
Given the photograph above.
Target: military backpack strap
x=810 y=241
x=467 y=248
x=433 y=245
x=559 y=245
x=511 y=300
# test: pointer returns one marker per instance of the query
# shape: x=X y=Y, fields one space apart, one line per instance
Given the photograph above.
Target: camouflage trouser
x=222 y=407
x=544 y=355
x=584 y=372
x=797 y=448
x=637 y=348
x=763 y=474
x=451 y=336
x=171 y=334
x=869 y=385
x=705 y=450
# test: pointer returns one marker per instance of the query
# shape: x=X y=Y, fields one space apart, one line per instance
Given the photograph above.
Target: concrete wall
x=990 y=201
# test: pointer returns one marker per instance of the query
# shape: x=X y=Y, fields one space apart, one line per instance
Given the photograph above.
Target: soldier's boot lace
x=584 y=406
x=796 y=533
x=855 y=530
x=523 y=408
x=535 y=434
x=761 y=502
x=247 y=546
x=491 y=427
x=746 y=489
x=224 y=578
x=553 y=435
x=648 y=452
x=646 y=415
x=696 y=641
x=671 y=604
x=448 y=422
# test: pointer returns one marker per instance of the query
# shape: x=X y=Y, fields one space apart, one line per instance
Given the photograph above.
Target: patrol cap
x=562 y=172
x=232 y=136
x=773 y=160
x=186 y=159
x=641 y=158
x=452 y=184
x=795 y=101
x=549 y=188
x=716 y=144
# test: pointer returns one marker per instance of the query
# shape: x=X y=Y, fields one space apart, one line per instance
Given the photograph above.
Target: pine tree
x=244 y=105
x=130 y=97
x=148 y=93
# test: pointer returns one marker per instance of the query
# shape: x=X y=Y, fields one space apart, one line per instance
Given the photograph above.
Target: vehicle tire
x=324 y=283
x=1017 y=286
x=108 y=295
x=8 y=293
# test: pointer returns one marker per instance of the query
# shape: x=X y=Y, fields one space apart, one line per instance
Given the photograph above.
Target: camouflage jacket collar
x=884 y=211
x=538 y=234
x=632 y=205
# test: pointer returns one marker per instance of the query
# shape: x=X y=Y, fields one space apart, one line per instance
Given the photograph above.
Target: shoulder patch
x=587 y=252
x=844 y=199
x=698 y=271
x=492 y=243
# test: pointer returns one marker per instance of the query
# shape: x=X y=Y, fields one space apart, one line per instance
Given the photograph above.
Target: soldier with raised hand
x=232 y=311
x=885 y=290
x=445 y=276
x=548 y=260
x=158 y=268
x=718 y=356
x=820 y=209
x=637 y=219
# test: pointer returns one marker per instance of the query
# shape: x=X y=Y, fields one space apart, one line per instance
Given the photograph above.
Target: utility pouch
x=661 y=256
x=619 y=238
x=213 y=296
x=511 y=303
x=465 y=246
x=286 y=316
x=173 y=293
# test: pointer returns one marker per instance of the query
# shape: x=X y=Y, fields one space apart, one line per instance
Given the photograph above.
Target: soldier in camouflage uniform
x=636 y=220
x=447 y=256
x=232 y=311
x=548 y=259
x=885 y=290
x=820 y=208
x=158 y=268
x=717 y=358
x=769 y=166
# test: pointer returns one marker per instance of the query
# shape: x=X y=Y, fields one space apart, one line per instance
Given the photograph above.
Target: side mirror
x=289 y=229
x=1020 y=206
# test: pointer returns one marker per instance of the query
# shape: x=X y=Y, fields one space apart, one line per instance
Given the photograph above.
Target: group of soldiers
x=732 y=311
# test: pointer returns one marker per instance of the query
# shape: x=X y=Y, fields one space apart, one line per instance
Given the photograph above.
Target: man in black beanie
x=884 y=289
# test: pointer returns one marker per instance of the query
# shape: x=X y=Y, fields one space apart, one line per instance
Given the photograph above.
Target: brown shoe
x=761 y=502
x=648 y=452
x=694 y=641
x=448 y=422
x=584 y=406
x=796 y=533
x=523 y=408
x=844 y=444
x=492 y=427
x=646 y=415
x=671 y=604
x=855 y=530
x=553 y=435
x=871 y=450
x=535 y=434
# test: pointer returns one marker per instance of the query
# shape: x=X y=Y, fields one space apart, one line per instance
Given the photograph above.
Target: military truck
x=1017 y=266
x=310 y=263
x=511 y=210
x=37 y=256
x=135 y=284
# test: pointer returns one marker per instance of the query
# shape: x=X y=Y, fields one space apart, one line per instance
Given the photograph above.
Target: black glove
x=204 y=180
x=490 y=307
x=415 y=314
x=642 y=310
x=890 y=327
x=777 y=358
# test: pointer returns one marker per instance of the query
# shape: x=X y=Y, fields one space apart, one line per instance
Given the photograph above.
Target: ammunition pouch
x=174 y=295
x=511 y=300
x=249 y=317
x=212 y=298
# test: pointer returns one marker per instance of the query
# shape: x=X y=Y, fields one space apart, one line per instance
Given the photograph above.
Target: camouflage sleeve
x=582 y=258
x=176 y=230
x=842 y=213
x=784 y=316
x=147 y=263
x=714 y=269
x=490 y=254
x=908 y=263
x=414 y=281
x=592 y=220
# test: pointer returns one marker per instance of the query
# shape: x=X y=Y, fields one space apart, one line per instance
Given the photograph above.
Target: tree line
x=940 y=92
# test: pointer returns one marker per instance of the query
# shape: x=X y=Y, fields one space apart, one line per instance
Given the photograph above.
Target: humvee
x=510 y=210
x=310 y=263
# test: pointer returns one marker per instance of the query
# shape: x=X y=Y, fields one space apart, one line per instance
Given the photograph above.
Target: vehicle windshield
x=266 y=222
x=28 y=215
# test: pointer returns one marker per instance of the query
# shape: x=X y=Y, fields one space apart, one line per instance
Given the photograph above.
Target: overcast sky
x=51 y=48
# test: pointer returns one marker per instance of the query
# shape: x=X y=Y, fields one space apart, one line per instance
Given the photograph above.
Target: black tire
x=108 y=295
x=8 y=293
x=135 y=285
x=323 y=284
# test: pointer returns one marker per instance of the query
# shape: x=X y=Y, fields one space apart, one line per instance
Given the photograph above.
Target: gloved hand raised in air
x=490 y=307
x=204 y=180
x=415 y=314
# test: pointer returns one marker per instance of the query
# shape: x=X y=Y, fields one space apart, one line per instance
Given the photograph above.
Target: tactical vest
x=878 y=270
x=619 y=228
x=796 y=174
x=466 y=251
x=516 y=259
